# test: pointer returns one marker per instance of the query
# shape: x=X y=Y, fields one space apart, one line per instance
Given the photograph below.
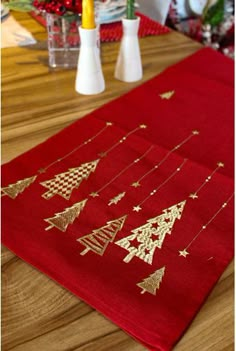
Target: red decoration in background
x=158 y=314
x=59 y=7
x=113 y=31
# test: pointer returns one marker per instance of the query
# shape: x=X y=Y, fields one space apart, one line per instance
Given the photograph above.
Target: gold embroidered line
x=195 y=194
x=108 y=124
x=64 y=183
x=96 y=193
x=137 y=183
x=210 y=220
x=184 y=252
x=103 y=154
x=138 y=207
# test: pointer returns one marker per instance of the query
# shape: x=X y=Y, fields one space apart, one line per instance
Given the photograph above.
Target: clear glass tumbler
x=63 y=40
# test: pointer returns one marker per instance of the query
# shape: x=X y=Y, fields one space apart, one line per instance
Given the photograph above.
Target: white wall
x=156 y=9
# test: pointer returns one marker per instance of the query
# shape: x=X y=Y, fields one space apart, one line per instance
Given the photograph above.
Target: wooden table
x=38 y=314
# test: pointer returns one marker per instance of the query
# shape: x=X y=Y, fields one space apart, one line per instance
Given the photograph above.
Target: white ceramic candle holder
x=129 y=65
x=89 y=77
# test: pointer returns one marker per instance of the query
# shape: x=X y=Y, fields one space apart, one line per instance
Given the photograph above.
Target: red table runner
x=110 y=32
x=131 y=207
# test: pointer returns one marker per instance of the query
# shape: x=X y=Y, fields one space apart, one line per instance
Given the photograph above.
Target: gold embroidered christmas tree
x=145 y=239
x=61 y=220
x=64 y=183
x=152 y=283
x=116 y=199
x=13 y=190
x=100 y=238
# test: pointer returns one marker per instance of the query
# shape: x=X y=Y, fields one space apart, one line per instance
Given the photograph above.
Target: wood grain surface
x=37 y=313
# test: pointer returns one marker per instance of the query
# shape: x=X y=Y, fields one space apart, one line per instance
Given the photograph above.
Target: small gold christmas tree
x=116 y=199
x=152 y=283
x=61 y=220
x=100 y=238
x=13 y=190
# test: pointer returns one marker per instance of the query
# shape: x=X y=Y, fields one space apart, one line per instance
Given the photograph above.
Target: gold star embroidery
x=183 y=253
x=109 y=123
x=142 y=126
x=195 y=132
x=220 y=164
x=94 y=194
x=137 y=208
x=136 y=184
x=193 y=196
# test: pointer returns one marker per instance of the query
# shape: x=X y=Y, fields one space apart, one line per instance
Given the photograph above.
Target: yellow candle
x=88 y=18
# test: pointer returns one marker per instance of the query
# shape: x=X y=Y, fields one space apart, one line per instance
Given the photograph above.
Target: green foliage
x=215 y=14
x=20 y=5
x=71 y=17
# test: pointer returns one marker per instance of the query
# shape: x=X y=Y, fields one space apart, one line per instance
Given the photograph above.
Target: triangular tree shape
x=15 y=189
x=167 y=95
x=61 y=220
x=152 y=283
x=64 y=183
x=151 y=235
x=99 y=239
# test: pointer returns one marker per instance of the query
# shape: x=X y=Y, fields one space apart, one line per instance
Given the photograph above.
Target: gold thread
x=89 y=140
x=99 y=239
x=207 y=179
x=138 y=207
x=61 y=220
x=184 y=252
x=156 y=166
x=96 y=193
x=144 y=240
x=13 y=190
x=64 y=183
x=152 y=283
x=116 y=199
x=105 y=153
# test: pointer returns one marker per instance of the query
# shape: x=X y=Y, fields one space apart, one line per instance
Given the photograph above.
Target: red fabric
x=113 y=31
x=203 y=100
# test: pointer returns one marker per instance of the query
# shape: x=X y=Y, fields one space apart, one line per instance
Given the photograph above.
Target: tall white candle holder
x=129 y=66
x=89 y=76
